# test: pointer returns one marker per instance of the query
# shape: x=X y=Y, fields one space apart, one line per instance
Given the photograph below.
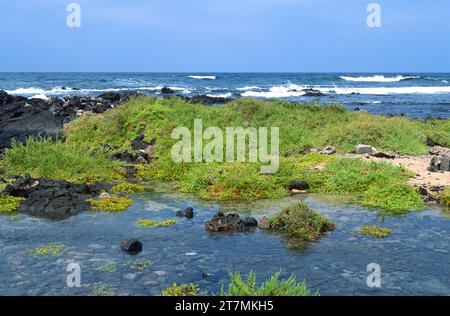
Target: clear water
x=414 y=259
x=415 y=94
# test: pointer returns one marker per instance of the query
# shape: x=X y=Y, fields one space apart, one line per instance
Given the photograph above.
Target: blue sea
x=415 y=95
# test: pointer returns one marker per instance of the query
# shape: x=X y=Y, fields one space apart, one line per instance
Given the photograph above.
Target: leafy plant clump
x=181 y=290
x=9 y=204
x=141 y=265
x=300 y=221
x=274 y=286
x=111 y=204
x=50 y=249
x=127 y=188
x=152 y=223
x=375 y=231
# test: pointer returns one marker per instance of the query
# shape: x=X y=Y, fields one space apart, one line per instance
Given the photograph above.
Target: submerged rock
x=229 y=223
x=132 y=246
x=50 y=198
x=187 y=212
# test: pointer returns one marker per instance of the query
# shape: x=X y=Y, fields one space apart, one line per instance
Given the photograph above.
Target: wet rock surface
x=187 y=212
x=132 y=246
x=229 y=223
x=52 y=199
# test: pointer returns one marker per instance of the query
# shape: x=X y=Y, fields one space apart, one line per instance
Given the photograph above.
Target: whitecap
x=220 y=95
x=378 y=78
x=203 y=77
x=39 y=96
x=248 y=88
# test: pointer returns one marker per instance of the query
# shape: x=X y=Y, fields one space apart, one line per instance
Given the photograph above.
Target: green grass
x=300 y=221
x=60 y=161
x=274 y=286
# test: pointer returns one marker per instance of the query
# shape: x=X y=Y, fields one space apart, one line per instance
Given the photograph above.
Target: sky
x=225 y=36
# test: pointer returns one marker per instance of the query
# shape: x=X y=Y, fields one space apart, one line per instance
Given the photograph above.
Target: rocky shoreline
x=22 y=117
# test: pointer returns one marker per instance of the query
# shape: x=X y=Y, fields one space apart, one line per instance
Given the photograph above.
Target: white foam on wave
x=378 y=78
x=293 y=90
x=203 y=77
x=39 y=96
x=220 y=95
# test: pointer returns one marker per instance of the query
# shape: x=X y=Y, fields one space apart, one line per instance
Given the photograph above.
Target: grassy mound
x=127 y=188
x=300 y=221
x=83 y=158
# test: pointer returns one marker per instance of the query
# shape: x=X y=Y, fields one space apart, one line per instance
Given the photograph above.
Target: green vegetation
x=127 y=188
x=181 y=290
x=272 y=287
x=152 y=223
x=60 y=161
x=83 y=157
x=50 y=249
x=445 y=198
x=300 y=221
x=9 y=204
x=141 y=265
x=109 y=267
x=111 y=204
x=375 y=231
x=100 y=289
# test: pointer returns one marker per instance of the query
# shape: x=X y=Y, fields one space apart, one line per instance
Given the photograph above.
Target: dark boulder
x=187 y=212
x=229 y=223
x=110 y=96
x=204 y=99
x=312 y=93
x=132 y=246
x=167 y=90
x=52 y=199
x=439 y=163
x=298 y=185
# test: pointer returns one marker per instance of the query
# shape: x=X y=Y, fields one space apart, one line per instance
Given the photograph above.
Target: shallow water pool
x=414 y=259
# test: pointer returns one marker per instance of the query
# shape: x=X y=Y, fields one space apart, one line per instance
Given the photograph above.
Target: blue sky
x=225 y=35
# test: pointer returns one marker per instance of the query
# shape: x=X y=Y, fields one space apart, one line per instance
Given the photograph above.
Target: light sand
x=416 y=164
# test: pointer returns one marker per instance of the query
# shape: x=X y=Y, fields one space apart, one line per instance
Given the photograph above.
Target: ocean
x=416 y=95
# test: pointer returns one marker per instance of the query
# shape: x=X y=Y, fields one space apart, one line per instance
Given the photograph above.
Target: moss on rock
x=9 y=204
